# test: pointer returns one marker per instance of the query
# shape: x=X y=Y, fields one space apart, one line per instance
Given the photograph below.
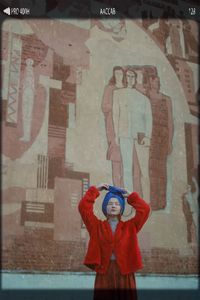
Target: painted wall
x=72 y=119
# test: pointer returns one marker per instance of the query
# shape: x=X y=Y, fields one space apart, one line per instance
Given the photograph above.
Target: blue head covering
x=114 y=192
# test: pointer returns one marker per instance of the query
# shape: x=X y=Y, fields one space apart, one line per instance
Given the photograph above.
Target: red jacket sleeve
x=86 y=208
x=142 y=210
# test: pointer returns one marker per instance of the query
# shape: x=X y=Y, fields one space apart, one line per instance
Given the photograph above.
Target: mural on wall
x=191 y=194
x=138 y=152
x=115 y=27
x=82 y=104
x=178 y=39
x=39 y=97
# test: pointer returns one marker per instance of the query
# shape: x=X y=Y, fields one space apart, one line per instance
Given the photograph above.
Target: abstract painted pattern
x=94 y=101
x=13 y=89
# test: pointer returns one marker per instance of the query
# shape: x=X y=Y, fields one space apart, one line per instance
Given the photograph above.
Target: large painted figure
x=161 y=143
x=113 y=153
x=133 y=126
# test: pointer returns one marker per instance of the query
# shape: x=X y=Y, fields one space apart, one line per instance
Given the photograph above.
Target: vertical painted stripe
x=14 y=81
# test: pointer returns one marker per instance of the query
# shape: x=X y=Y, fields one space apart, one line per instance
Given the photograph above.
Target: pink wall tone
x=13 y=195
x=66 y=217
x=12 y=199
x=8 y=225
x=66 y=40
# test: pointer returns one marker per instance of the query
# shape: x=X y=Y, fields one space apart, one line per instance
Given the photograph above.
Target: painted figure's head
x=131 y=78
x=118 y=77
x=118 y=26
x=29 y=62
x=113 y=202
x=154 y=83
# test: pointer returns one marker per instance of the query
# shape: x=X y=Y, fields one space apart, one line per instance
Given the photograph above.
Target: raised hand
x=103 y=186
x=126 y=194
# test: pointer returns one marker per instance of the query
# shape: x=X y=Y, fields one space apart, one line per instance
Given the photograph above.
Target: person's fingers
x=105 y=186
x=125 y=195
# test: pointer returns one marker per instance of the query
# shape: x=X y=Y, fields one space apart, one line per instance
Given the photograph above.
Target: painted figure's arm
x=116 y=113
x=106 y=106
x=107 y=99
x=142 y=210
x=170 y=125
x=148 y=118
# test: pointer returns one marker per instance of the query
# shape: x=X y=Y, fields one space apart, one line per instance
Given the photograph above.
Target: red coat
x=103 y=242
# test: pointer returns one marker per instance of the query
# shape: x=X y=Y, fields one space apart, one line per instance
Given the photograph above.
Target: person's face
x=118 y=75
x=130 y=78
x=113 y=207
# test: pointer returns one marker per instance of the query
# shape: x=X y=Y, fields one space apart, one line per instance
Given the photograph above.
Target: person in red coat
x=113 y=251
